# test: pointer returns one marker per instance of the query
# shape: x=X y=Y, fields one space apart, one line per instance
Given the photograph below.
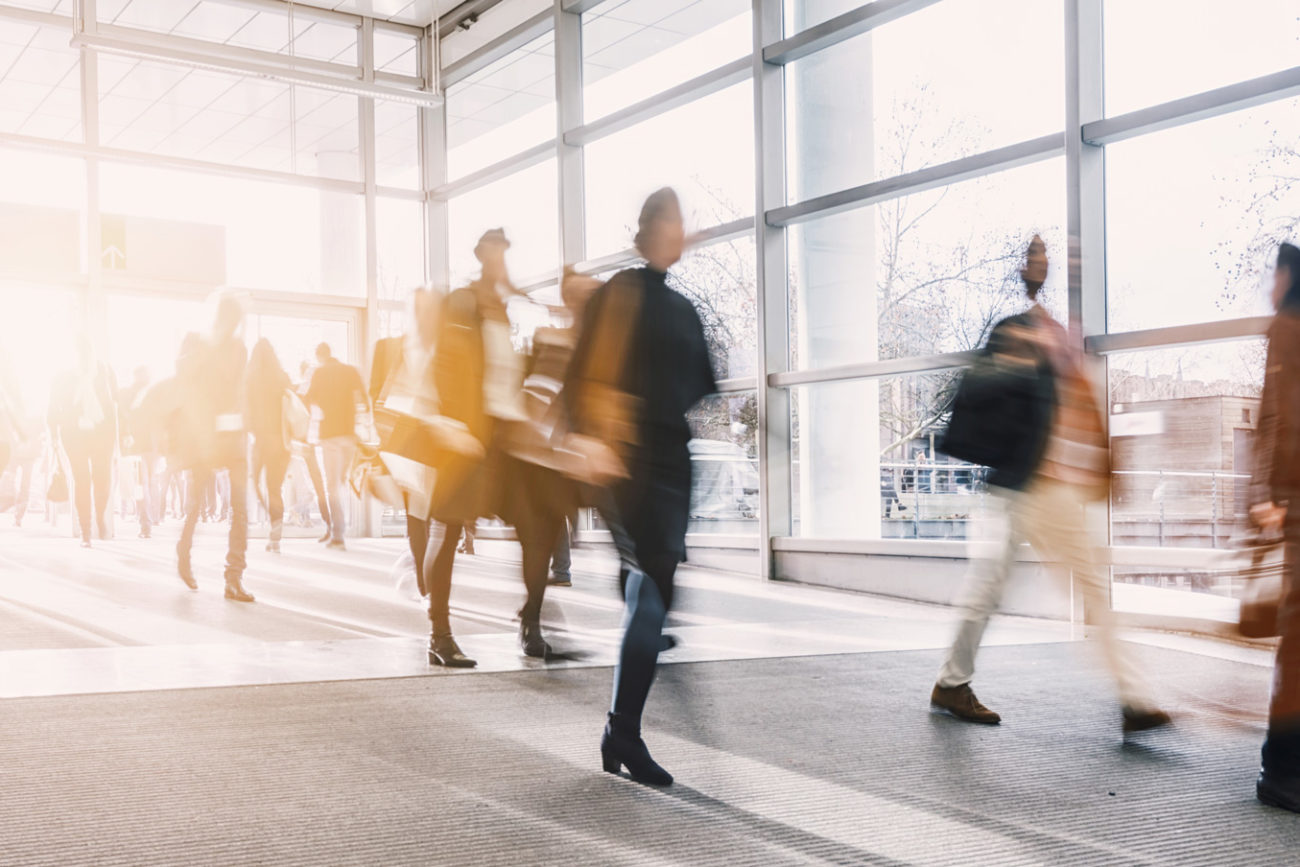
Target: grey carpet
x=823 y=760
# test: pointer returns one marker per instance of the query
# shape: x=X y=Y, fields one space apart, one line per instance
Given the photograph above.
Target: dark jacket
x=1277 y=439
x=1002 y=413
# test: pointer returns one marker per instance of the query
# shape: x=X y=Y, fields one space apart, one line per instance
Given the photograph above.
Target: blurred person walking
x=1275 y=493
x=1027 y=410
x=266 y=388
x=83 y=421
x=337 y=390
x=210 y=391
x=307 y=451
x=414 y=439
x=641 y=363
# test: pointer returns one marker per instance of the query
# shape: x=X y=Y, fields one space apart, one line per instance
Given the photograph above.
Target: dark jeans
x=1281 y=755
x=238 y=543
x=272 y=459
x=643 y=627
x=90 y=460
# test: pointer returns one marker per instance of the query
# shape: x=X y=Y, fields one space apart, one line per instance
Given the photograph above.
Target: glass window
x=399 y=234
x=231 y=22
x=850 y=438
x=42 y=214
x=526 y=205
x=216 y=117
x=37 y=340
x=397 y=53
x=1194 y=213
x=40 y=82
x=1182 y=426
x=397 y=145
x=503 y=109
x=930 y=87
x=146 y=331
x=295 y=338
x=713 y=173
x=203 y=229
x=801 y=14
x=1182 y=430
x=724 y=465
x=1158 y=50
x=719 y=281
x=633 y=49
x=923 y=274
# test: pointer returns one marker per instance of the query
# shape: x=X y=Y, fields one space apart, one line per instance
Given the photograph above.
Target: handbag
x=369 y=475
x=1264 y=578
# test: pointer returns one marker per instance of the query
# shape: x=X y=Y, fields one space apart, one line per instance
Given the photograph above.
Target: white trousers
x=1050 y=516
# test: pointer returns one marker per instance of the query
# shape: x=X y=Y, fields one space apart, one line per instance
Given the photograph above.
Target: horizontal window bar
x=305 y=302
x=1209 y=559
x=871 y=369
x=738 y=384
x=853 y=23
x=1011 y=156
x=84 y=151
x=1178 y=335
x=517 y=37
x=710 y=82
x=31 y=16
x=400 y=193
x=495 y=172
x=231 y=54
x=578 y=7
x=1256 y=91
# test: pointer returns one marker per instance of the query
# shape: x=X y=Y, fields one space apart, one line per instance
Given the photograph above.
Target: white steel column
x=94 y=310
x=433 y=168
x=772 y=304
x=569 y=116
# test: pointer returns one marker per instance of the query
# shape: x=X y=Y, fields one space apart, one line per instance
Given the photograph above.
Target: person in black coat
x=641 y=363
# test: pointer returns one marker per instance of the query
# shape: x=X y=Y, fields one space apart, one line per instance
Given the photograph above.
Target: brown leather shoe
x=1142 y=720
x=960 y=701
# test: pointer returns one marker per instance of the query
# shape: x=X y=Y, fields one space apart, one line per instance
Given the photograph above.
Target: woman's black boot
x=622 y=746
x=531 y=641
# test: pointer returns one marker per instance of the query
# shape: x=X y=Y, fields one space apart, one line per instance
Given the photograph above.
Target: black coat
x=1002 y=413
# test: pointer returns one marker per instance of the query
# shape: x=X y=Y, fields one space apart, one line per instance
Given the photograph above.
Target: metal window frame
x=844 y=26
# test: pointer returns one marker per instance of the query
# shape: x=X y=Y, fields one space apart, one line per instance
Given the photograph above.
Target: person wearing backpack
x=1027 y=411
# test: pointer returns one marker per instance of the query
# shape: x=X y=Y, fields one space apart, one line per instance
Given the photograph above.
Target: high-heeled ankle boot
x=444 y=651
x=235 y=591
x=621 y=746
x=531 y=641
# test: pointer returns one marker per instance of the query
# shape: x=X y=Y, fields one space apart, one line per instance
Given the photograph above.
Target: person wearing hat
x=641 y=363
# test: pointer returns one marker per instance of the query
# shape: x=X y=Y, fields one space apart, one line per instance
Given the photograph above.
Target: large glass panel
x=397 y=145
x=1182 y=436
x=633 y=49
x=719 y=281
x=212 y=116
x=724 y=464
x=930 y=87
x=851 y=439
x=295 y=339
x=399 y=236
x=1194 y=215
x=40 y=82
x=526 y=205
x=42 y=214
x=397 y=53
x=212 y=230
x=37 y=341
x=293 y=30
x=923 y=274
x=145 y=331
x=713 y=173
x=503 y=109
x=1182 y=426
x=1158 y=50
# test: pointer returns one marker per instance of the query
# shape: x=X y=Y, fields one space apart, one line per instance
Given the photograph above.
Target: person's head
x=576 y=290
x=1286 y=278
x=491 y=254
x=426 y=313
x=661 y=231
x=263 y=359
x=1034 y=272
x=323 y=353
x=228 y=315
